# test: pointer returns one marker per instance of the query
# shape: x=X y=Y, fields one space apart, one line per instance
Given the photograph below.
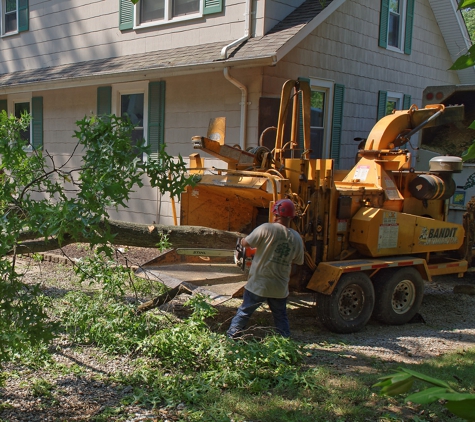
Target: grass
x=182 y=368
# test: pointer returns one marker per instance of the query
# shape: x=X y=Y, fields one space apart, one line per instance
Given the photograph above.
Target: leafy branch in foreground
x=460 y=404
x=65 y=201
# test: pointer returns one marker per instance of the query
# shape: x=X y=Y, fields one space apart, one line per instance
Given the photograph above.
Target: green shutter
x=156 y=117
x=104 y=100
x=37 y=122
x=212 y=6
x=406 y=102
x=337 y=123
x=23 y=15
x=3 y=106
x=383 y=24
x=409 y=26
x=126 y=15
x=382 y=104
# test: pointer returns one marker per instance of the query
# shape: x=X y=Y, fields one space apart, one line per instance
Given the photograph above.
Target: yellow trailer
x=372 y=234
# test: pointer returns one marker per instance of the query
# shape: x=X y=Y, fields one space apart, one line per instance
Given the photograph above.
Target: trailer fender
x=327 y=274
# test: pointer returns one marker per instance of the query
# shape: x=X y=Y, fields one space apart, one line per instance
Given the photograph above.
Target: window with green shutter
x=153 y=12
x=395 y=25
x=391 y=101
x=325 y=123
x=15 y=16
x=143 y=104
x=21 y=104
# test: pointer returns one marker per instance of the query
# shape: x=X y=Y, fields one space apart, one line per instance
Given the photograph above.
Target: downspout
x=244 y=95
x=247 y=31
x=235 y=82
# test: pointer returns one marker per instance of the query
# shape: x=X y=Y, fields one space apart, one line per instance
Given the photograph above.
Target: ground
x=446 y=323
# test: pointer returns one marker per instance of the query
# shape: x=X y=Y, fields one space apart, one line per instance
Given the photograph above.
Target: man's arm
x=244 y=242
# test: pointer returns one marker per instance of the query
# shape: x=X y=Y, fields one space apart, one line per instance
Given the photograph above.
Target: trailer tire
x=399 y=294
x=349 y=307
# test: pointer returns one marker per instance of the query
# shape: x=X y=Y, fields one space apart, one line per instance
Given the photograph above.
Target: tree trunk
x=142 y=235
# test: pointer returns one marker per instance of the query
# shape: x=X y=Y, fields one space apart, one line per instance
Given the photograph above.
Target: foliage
x=46 y=200
x=460 y=404
x=114 y=281
x=467 y=59
x=199 y=359
x=469 y=18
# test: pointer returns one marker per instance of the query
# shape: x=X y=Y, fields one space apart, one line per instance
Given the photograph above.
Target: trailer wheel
x=399 y=295
x=349 y=307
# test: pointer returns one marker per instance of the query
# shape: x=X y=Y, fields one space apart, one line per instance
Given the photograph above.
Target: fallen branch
x=142 y=235
x=162 y=299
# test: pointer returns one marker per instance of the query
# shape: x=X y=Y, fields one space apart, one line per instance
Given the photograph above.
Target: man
x=277 y=248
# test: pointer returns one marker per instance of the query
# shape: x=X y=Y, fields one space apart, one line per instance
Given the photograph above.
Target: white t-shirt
x=277 y=248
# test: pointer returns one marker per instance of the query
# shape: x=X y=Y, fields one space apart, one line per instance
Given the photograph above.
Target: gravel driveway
x=446 y=322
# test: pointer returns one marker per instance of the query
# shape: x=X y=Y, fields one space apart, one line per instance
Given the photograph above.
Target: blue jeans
x=250 y=303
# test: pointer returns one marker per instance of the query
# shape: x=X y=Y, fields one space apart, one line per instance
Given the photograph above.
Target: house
x=174 y=64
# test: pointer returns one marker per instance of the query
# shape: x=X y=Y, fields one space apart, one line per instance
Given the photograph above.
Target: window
x=326 y=116
x=158 y=12
x=390 y=101
x=129 y=100
x=14 y=16
x=165 y=10
x=132 y=106
x=20 y=110
x=10 y=16
x=396 y=22
x=143 y=103
x=318 y=105
x=20 y=104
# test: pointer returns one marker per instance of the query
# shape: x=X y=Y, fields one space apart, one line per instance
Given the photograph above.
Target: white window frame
x=21 y=98
x=326 y=86
x=167 y=16
x=140 y=87
x=3 y=8
x=402 y=28
x=397 y=97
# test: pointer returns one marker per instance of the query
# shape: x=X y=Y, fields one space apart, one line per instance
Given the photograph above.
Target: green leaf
x=426 y=396
x=467 y=60
x=469 y=154
x=464 y=4
x=472 y=126
x=462 y=408
x=451 y=396
x=398 y=383
x=426 y=378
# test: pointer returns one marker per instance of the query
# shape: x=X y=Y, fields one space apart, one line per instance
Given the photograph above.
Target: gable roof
x=260 y=51
x=454 y=31
x=266 y=50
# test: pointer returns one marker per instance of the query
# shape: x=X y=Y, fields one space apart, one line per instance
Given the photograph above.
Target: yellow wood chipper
x=372 y=234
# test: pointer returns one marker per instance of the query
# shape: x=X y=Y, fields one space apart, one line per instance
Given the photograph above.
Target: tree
x=469 y=17
x=467 y=59
x=53 y=205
